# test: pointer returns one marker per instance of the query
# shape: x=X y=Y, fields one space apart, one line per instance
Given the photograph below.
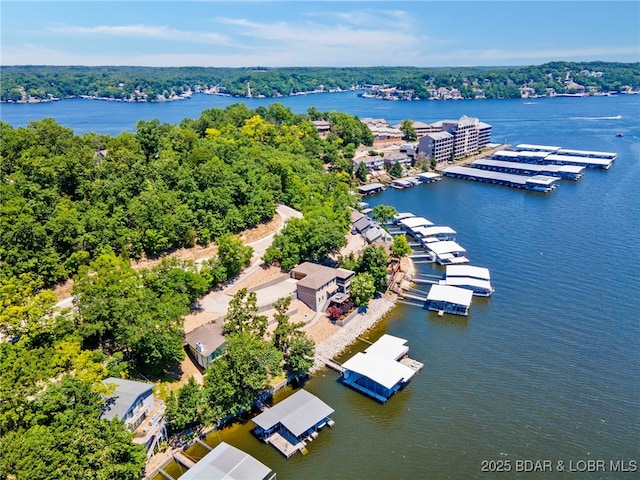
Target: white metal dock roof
x=226 y=462
x=448 y=246
x=449 y=294
x=388 y=346
x=545 y=148
x=468 y=271
x=578 y=160
x=428 y=175
x=403 y=215
x=297 y=413
x=500 y=176
x=413 y=222
x=384 y=371
x=521 y=154
x=588 y=153
x=467 y=281
x=529 y=166
x=430 y=231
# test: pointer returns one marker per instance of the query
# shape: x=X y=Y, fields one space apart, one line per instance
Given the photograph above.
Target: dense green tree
x=65 y=439
x=395 y=170
x=241 y=315
x=233 y=255
x=362 y=288
x=187 y=408
x=300 y=355
x=310 y=238
x=374 y=261
x=362 y=171
x=383 y=213
x=400 y=247
x=408 y=130
x=117 y=312
x=235 y=380
x=290 y=339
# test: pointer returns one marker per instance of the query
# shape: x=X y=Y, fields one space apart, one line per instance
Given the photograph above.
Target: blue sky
x=317 y=33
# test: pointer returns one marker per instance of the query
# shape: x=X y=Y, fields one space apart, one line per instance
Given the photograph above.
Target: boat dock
x=537 y=183
x=569 y=172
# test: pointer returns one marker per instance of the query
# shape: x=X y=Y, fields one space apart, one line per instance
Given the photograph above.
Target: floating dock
x=568 y=172
x=429 y=177
x=447 y=252
x=379 y=372
x=448 y=299
x=371 y=188
x=558 y=159
x=537 y=183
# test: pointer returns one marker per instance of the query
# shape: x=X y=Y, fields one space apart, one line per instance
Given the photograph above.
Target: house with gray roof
x=318 y=283
x=133 y=402
x=206 y=342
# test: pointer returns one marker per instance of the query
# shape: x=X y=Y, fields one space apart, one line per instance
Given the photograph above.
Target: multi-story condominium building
x=468 y=136
x=438 y=146
x=484 y=135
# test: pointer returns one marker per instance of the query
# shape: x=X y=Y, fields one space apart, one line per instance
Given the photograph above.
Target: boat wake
x=616 y=117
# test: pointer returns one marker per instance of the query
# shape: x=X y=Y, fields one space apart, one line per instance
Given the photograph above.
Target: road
x=259 y=247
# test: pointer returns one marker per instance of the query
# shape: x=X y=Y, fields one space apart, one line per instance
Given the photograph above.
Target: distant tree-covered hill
x=20 y=83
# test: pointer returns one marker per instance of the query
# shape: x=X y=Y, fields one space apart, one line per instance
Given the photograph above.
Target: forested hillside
x=19 y=83
x=83 y=206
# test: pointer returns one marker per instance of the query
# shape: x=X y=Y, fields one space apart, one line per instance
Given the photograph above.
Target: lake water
x=548 y=368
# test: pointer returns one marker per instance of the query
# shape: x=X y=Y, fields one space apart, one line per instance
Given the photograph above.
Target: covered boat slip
x=535 y=148
x=226 y=462
x=389 y=346
x=569 y=172
x=468 y=271
x=519 y=156
x=378 y=372
x=447 y=252
x=557 y=159
x=290 y=422
x=428 y=177
x=371 y=188
x=587 y=153
x=440 y=233
x=538 y=183
x=409 y=224
x=449 y=299
x=480 y=288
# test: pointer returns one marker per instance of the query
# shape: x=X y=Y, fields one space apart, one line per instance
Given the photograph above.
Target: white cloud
x=314 y=35
x=144 y=31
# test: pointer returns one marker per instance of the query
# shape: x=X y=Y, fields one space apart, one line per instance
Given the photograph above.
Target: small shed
x=449 y=299
x=226 y=462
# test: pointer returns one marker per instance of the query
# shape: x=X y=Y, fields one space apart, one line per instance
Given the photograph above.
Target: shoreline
x=33 y=101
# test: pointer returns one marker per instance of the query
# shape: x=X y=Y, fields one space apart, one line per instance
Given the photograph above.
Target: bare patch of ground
x=261 y=275
x=321 y=330
x=63 y=290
